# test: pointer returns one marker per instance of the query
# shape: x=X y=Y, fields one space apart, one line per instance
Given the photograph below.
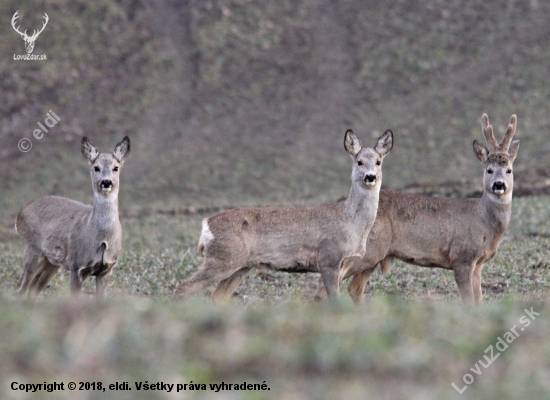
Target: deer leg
x=320 y=292
x=330 y=274
x=31 y=260
x=40 y=275
x=75 y=281
x=212 y=270
x=47 y=272
x=331 y=279
x=463 y=278
x=330 y=262
x=476 y=284
x=226 y=287
x=356 y=288
x=101 y=282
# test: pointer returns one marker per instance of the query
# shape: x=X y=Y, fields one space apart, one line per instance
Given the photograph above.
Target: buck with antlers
x=29 y=40
x=456 y=234
x=303 y=239
x=58 y=232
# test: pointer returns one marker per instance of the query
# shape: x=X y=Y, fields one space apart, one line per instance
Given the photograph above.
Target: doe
x=85 y=239
x=301 y=239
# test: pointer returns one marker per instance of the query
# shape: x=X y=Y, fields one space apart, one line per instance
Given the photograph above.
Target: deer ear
x=481 y=151
x=513 y=150
x=89 y=151
x=384 y=143
x=352 y=144
x=122 y=150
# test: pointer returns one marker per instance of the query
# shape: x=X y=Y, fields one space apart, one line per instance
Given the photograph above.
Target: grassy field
x=412 y=339
x=239 y=102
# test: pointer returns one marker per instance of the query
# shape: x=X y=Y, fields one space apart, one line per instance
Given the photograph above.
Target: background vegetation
x=238 y=102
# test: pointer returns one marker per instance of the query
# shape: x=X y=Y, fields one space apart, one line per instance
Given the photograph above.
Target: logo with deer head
x=29 y=40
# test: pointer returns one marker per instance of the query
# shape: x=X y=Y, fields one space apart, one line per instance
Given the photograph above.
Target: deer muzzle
x=499 y=187
x=370 y=180
x=106 y=185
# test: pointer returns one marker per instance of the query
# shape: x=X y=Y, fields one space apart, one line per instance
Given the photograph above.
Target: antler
x=488 y=132
x=35 y=34
x=15 y=16
x=505 y=144
x=24 y=34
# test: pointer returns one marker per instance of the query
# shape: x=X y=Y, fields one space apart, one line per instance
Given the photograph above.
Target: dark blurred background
x=236 y=102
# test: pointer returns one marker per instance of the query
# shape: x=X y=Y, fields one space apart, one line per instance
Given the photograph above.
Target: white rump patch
x=206 y=234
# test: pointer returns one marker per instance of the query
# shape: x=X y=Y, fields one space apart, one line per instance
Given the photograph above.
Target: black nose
x=499 y=186
x=106 y=184
x=370 y=178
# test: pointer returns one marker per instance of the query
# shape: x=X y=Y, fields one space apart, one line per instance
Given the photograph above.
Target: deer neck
x=362 y=204
x=104 y=216
x=496 y=213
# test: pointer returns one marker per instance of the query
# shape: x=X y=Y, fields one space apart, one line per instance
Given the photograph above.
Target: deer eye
x=509 y=171
x=96 y=169
x=359 y=162
x=378 y=162
x=489 y=171
x=115 y=169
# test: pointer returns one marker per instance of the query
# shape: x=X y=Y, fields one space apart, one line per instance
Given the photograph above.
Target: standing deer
x=58 y=232
x=456 y=234
x=302 y=239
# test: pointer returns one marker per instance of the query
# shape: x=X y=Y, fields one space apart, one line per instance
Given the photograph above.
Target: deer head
x=29 y=40
x=367 y=167
x=104 y=166
x=497 y=159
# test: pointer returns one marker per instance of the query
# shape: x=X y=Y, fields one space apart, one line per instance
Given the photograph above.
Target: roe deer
x=58 y=232
x=456 y=234
x=301 y=239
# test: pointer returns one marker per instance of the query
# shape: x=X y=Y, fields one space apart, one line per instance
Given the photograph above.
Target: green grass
x=389 y=349
x=232 y=103
x=161 y=250
x=412 y=339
